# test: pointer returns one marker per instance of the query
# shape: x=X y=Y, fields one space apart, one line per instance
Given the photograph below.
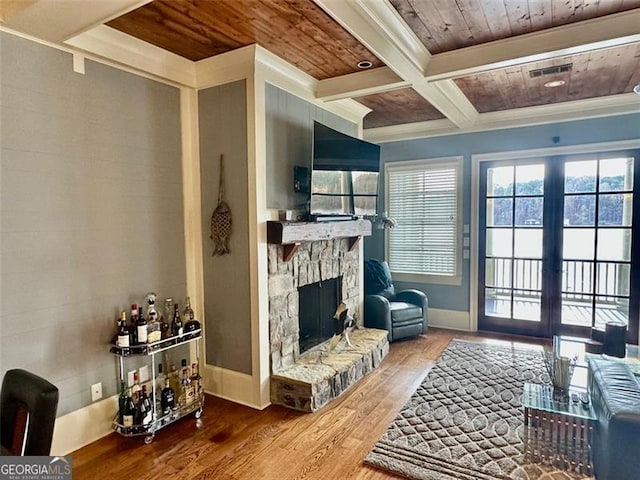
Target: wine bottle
x=141 y=327
x=176 y=326
x=195 y=379
x=145 y=409
x=122 y=340
x=187 y=313
x=186 y=389
x=166 y=318
x=135 y=388
x=160 y=380
x=129 y=411
x=133 y=330
x=167 y=398
x=122 y=401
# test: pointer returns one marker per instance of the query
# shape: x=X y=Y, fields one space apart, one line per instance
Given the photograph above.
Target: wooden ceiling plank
x=471 y=11
x=540 y=14
x=454 y=22
x=429 y=15
x=607 y=7
x=519 y=16
x=415 y=23
x=496 y=14
x=332 y=29
x=634 y=79
x=578 y=75
x=558 y=41
x=563 y=12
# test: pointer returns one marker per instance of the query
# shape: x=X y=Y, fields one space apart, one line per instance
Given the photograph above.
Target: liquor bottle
x=187 y=313
x=122 y=401
x=135 y=388
x=186 y=388
x=145 y=410
x=154 y=332
x=166 y=318
x=174 y=379
x=160 y=380
x=133 y=330
x=141 y=327
x=122 y=339
x=167 y=398
x=176 y=326
x=129 y=411
x=195 y=379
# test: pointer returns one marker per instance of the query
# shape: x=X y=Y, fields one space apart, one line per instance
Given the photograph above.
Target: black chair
x=402 y=314
x=28 y=406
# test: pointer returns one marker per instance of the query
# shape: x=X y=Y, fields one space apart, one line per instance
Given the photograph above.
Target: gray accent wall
x=227 y=295
x=607 y=129
x=91 y=211
x=289 y=142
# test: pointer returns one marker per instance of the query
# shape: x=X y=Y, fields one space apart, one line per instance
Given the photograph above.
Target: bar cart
x=159 y=420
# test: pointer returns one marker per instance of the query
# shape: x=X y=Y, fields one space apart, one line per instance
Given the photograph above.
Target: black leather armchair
x=28 y=406
x=402 y=314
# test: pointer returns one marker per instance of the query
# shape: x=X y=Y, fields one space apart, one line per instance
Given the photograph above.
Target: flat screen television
x=344 y=175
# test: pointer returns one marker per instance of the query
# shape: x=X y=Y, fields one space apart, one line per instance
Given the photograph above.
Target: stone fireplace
x=309 y=380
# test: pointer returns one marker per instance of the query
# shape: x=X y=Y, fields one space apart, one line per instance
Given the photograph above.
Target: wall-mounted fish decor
x=221 y=219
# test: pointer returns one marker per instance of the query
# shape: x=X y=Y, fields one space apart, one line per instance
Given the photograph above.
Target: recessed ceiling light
x=636 y=89
x=555 y=83
x=365 y=64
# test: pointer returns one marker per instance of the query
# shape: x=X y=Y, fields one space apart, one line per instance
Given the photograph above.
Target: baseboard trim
x=450 y=319
x=83 y=426
x=231 y=385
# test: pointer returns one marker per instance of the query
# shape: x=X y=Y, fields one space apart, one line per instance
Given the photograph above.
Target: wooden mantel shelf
x=292 y=234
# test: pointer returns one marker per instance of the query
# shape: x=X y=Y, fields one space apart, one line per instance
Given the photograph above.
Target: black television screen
x=344 y=177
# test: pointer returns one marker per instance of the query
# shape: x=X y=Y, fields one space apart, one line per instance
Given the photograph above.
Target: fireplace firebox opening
x=316 y=306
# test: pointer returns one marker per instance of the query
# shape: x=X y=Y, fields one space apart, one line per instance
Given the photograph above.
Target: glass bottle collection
x=174 y=390
x=140 y=330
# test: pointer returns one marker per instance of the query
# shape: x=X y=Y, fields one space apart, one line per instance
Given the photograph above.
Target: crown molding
x=597 y=33
x=225 y=68
x=111 y=44
x=358 y=84
x=623 y=104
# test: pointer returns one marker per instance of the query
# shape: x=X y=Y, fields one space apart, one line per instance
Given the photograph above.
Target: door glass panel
x=577 y=311
x=579 y=210
x=614 y=244
x=526 y=305
x=527 y=274
x=498 y=302
x=580 y=177
x=613 y=278
x=578 y=243
x=616 y=174
x=499 y=181
x=499 y=212
x=615 y=209
x=528 y=243
x=608 y=309
x=530 y=179
x=529 y=211
x=498 y=272
x=577 y=278
x=499 y=242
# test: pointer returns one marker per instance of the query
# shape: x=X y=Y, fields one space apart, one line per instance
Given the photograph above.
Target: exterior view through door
x=556 y=237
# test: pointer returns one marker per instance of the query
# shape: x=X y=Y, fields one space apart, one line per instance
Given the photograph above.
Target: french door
x=556 y=244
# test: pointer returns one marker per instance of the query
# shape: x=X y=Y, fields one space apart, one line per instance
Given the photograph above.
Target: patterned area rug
x=465 y=422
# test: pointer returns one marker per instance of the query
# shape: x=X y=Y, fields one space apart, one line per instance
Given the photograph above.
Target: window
x=423 y=196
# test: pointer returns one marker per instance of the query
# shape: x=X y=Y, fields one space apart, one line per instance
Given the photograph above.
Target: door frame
x=477 y=159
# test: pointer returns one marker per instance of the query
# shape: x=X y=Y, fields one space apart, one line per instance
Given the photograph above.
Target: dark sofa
x=615 y=443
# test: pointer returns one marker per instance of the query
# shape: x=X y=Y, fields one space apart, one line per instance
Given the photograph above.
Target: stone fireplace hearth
x=308 y=381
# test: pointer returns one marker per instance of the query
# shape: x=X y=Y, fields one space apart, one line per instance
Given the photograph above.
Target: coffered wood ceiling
x=437 y=65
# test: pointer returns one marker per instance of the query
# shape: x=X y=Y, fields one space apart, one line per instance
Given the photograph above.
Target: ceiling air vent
x=539 y=72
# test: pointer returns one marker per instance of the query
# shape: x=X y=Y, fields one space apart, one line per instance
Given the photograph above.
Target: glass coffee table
x=557 y=431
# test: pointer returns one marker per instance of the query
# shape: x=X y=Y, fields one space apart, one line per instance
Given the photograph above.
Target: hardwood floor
x=233 y=442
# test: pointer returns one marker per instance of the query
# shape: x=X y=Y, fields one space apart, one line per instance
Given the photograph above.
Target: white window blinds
x=424 y=199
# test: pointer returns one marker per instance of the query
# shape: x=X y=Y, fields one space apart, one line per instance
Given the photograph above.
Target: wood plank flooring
x=233 y=442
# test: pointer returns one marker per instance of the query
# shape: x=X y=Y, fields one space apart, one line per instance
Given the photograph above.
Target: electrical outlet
x=96 y=391
x=130 y=377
